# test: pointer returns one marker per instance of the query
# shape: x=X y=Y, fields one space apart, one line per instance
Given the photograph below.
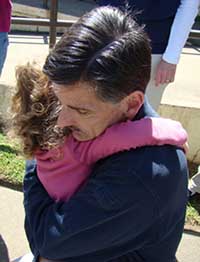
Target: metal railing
x=53 y=22
x=194 y=34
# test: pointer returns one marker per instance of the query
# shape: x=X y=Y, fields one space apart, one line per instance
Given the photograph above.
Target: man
x=132 y=207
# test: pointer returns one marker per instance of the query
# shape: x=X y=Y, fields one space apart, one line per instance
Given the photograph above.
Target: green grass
x=11 y=161
x=12 y=173
x=193 y=211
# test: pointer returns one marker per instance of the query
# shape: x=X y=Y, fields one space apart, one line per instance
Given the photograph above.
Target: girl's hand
x=186 y=148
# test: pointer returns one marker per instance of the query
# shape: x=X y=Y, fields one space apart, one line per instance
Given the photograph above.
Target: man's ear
x=134 y=101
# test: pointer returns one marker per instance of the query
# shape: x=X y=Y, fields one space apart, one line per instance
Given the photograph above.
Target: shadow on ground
x=191 y=232
x=8 y=149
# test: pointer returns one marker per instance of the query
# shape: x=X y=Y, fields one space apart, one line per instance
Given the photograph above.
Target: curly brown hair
x=35 y=111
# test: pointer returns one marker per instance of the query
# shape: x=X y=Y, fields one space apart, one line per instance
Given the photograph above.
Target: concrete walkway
x=14 y=243
x=12 y=223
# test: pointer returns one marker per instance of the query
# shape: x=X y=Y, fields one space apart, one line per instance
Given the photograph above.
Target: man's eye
x=83 y=112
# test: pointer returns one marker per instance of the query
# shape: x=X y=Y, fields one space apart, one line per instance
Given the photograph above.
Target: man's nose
x=65 y=119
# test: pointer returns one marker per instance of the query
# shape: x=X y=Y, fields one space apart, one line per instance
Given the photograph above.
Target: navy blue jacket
x=156 y=15
x=131 y=209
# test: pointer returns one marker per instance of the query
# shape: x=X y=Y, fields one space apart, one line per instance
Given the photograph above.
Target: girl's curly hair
x=35 y=111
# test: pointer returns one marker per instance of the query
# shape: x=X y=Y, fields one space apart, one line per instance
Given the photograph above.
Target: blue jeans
x=3 y=48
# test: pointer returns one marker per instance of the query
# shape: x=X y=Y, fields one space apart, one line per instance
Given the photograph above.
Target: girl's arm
x=131 y=134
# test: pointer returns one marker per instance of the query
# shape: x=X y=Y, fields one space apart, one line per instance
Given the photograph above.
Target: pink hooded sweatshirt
x=63 y=170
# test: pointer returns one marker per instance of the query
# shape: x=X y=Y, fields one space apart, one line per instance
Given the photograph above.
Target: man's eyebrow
x=78 y=108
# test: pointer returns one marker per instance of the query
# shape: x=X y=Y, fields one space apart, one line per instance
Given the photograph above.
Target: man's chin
x=80 y=137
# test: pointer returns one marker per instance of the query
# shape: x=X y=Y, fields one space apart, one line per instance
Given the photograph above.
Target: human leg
x=3 y=48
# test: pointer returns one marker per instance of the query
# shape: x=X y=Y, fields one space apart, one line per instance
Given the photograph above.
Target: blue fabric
x=3 y=48
x=131 y=209
x=157 y=16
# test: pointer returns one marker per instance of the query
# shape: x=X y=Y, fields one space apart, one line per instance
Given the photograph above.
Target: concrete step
x=181 y=99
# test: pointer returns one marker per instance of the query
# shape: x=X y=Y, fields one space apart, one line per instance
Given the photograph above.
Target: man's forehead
x=79 y=96
x=71 y=90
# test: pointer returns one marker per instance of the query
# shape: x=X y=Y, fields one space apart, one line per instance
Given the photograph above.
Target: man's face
x=84 y=113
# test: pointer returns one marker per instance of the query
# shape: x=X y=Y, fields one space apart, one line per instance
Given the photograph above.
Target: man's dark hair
x=105 y=48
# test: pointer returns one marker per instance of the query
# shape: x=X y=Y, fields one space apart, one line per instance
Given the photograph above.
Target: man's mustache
x=68 y=129
x=73 y=128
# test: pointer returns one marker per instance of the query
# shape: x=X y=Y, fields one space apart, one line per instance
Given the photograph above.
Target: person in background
x=5 y=20
x=168 y=24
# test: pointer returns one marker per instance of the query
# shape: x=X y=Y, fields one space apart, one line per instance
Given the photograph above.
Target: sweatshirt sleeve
x=84 y=224
x=180 y=29
x=130 y=135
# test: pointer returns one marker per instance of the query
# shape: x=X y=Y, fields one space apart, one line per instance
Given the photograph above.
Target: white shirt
x=180 y=30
